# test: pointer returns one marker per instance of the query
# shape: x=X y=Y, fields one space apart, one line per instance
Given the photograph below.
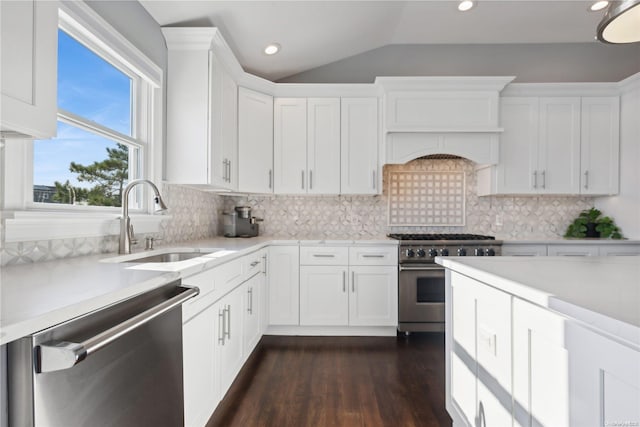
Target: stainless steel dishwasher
x=118 y=366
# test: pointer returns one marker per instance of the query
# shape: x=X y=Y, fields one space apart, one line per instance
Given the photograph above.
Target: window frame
x=85 y=25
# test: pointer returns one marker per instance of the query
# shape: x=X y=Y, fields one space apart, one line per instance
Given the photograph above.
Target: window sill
x=30 y=226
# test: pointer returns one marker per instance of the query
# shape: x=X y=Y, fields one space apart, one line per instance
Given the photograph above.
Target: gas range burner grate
x=440 y=237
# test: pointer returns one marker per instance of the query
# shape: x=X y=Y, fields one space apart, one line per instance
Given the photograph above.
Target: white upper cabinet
x=306 y=145
x=255 y=141
x=557 y=170
x=28 y=69
x=600 y=147
x=224 y=129
x=290 y=145
x=359 y=142
x=323 y=145
x=201 y=111
x=556 y=145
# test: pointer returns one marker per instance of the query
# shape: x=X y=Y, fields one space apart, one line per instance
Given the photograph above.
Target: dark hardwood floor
x=339 y=381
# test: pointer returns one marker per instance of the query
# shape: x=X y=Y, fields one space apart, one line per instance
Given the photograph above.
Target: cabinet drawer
x=524 y=250
x=372 y=255
x=253 y=264
x=325 y=255
x=229 y=275
x=572 y=250
x=619 y=250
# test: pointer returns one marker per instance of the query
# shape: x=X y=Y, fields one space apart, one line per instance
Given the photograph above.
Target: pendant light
x=621 y=22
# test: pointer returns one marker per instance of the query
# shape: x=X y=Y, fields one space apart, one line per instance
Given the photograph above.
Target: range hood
x=442 y=115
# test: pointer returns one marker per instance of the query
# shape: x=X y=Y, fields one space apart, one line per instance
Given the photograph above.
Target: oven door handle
x=419 y=268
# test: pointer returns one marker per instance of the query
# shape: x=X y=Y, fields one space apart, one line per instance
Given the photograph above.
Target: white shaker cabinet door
x=290 y=146
x=28 y=68
x=252 y=330
x=600 y=145
x=516 y=172
x=323 y=145
x=558 y=170
x=200 y=379
x=255 y=141
x=373 y=296
x=359 y=173
x=324 y=296
x=230 y=337
x=540 y=367
x=283 y=283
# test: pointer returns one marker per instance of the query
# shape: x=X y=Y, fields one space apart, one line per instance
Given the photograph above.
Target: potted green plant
x=591 y=223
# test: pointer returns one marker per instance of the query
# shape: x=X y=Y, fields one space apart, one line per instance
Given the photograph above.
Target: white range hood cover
x=442 y=115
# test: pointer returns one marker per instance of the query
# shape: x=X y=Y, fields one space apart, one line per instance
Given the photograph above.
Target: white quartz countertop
x=603 y=292
x=37 y=296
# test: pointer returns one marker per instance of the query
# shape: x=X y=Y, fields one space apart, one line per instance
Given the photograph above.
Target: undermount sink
x=169 y=257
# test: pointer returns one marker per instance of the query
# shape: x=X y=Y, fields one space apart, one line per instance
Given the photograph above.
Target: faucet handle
x=132 y=237
x=148 y=242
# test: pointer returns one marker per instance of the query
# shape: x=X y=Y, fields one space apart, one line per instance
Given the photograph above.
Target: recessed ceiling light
x=465 y=5
x=272 y=49
x=599 y=5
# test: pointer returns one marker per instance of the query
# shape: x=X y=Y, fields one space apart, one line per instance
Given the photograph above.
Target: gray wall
x=136 y=25
x=559 y=62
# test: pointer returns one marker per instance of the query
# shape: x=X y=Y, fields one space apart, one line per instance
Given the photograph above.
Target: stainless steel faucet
x=126 y=229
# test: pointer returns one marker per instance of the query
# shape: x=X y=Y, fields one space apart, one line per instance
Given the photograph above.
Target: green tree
x=68 y=194
x=107 y=176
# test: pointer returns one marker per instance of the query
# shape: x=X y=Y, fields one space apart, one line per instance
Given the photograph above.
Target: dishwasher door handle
x=59 y=355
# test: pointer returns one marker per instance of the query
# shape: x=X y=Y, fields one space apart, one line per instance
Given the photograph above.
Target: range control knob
x=410 y=253
x=444 y=252
x=479 y=252
x=462 y=252
x=491 y=252
x=421 y=253
x=433 y=252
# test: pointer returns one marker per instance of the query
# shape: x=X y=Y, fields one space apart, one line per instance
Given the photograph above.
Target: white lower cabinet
x=252 y=323
x=622 y=248
x=230 y=337
x=373 y=300
x=511 y=362
x=324 y=298
x=572 y=250
x=283 y=283
x=333 y=292
x=221 y=327
x=480 y=362
x=201 y=396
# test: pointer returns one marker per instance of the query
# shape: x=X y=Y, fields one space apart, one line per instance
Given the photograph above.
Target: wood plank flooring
x=339 y=381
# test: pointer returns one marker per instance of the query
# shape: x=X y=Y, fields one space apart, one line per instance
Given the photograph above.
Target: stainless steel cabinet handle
x=303 y=180
x=344 y=281
x=254 y=263
x=310 y=180
x=324 y=255
x=228 y=322
x=59 y=355
x=229 y=174
x=372 y=256
x=586 y=180
x=374 y=179
x=224 y=170
x=250 y=292
x=270 y=178
x=264 y=257
x=544 y=179
x=353 y=281
x=535 y=179
x=420 y=268
x=221 y=322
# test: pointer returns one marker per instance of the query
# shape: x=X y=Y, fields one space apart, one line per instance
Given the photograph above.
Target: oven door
x=421 y=290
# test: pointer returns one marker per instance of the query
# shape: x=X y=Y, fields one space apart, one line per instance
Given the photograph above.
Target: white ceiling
x=315 y=33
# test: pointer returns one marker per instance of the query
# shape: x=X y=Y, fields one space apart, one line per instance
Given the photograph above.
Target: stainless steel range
x=421 y=284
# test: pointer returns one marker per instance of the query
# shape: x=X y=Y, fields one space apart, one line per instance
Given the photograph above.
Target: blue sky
x=89 y=87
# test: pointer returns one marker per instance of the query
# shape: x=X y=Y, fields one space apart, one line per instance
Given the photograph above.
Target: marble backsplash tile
x=196 y=214
x=192 y=215
x=335 y=217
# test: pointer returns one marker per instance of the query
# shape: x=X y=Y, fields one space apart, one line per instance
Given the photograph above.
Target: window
x=95 y=152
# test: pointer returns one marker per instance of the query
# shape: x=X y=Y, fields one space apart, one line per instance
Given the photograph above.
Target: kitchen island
x=543 y=340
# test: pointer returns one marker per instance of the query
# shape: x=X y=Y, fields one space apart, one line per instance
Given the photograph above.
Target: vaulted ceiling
x=315 y=33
